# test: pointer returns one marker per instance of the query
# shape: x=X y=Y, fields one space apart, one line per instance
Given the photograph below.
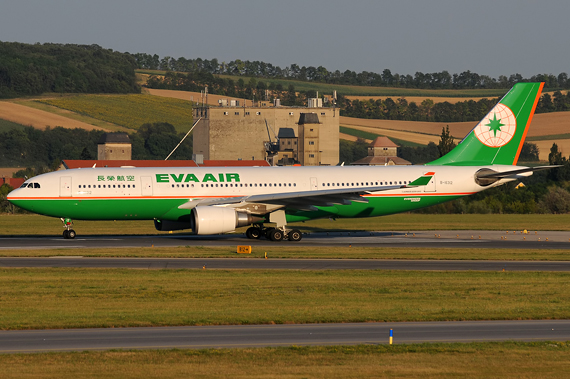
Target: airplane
x=216 y=200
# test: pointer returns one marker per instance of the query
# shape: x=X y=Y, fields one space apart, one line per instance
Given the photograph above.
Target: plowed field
x=39 y=119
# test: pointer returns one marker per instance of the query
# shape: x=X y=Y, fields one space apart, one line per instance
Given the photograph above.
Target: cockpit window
x=24 y=185
x=36 y=185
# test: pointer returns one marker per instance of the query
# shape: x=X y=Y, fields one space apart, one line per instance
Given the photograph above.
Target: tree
x=446 y=142
x=555 y=157
x=529 y=152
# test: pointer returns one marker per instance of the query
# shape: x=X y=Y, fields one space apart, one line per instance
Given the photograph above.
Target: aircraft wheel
x=71 y=234
x=295 y=235
x=253 y=233
x=268 y=232
x=276 y=235
x=66 y=234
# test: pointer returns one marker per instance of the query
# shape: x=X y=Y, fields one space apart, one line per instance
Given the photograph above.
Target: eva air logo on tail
x=497 y=128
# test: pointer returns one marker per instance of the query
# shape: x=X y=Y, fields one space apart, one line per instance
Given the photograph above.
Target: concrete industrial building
x=114 y=146
x=234 y=132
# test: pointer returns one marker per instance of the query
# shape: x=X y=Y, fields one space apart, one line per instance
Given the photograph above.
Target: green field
x=81 y=298
x=36 y=225
x=348 y=90
x=473 y=360
x=300 y=252
x=129 y=111
x=8 y=125
x=372 y=136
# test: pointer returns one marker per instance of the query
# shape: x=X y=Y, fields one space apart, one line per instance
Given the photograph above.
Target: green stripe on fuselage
x=167 y=209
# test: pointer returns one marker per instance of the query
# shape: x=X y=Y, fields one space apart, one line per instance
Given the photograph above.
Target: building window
x=247 y=113
x=311 y=142
x=311 y=155
x=257 y=113
x=226 y=113
x=237 y=113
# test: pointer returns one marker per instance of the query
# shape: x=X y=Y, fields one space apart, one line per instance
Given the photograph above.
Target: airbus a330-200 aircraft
x=214 y=200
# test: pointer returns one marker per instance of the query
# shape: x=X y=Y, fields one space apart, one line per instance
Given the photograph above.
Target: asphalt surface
x=240 y=336
x=287 y=335
x=441 y=238
x=285 y=264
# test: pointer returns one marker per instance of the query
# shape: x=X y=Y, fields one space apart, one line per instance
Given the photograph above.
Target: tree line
x=427 y=110
x=43 y=150
x=27 y=70
x=259 y=69
x=387 y=109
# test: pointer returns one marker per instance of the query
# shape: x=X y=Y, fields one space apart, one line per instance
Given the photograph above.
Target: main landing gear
x=279 y=233
x=68 y=233
x=273 y=234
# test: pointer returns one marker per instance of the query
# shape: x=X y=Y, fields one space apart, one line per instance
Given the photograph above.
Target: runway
x=436 y=238
x=241 y=336
x=285 y=264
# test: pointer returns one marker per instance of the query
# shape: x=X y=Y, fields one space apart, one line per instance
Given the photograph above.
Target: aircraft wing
x=308 y=200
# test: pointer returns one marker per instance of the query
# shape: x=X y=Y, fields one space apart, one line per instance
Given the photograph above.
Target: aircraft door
x=146 y=185
x=314 y=184
x=65 y=186
x=430 y=187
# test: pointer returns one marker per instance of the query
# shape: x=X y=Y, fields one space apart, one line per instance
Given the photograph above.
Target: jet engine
x=216 y=220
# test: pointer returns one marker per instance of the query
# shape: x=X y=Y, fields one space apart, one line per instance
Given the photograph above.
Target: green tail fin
x=498 y=138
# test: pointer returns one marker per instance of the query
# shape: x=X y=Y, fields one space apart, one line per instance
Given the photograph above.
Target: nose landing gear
x=68 y=233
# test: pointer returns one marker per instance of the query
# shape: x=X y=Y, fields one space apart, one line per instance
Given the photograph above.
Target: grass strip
x=81 y=298
x=302 y=252
x=30 y=224
x=470 y=360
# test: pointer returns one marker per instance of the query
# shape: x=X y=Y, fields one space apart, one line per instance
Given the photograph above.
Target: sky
x=488 y=37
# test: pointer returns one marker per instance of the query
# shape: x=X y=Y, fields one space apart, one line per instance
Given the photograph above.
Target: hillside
x=546 y=129
x=30 y=70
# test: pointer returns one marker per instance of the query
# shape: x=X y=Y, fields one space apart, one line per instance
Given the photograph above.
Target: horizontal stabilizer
x=490 y=174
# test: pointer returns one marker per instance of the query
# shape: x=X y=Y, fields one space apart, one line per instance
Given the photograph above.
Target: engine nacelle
x=216 y=220
x=167 y=225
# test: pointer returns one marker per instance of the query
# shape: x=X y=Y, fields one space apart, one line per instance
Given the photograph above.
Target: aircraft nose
x=12 y=195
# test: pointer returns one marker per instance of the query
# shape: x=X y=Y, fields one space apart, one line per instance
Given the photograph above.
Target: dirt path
x=39 y=119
